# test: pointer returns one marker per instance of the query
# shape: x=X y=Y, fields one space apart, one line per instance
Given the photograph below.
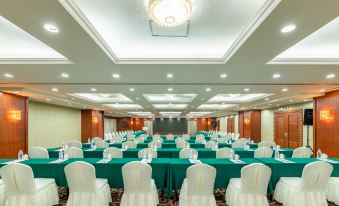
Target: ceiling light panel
x=142 y=113
x=216 y=106
x=169 y=98
x=238 y=98
x=102 y=97
x=197 y=114
x=170 y=114
x=124 y=106
x=170 y=106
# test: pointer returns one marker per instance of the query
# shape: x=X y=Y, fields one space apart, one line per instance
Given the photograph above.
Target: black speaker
x=308 y=117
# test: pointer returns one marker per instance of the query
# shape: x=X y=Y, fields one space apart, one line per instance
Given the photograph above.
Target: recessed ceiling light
x=48 y=100
x=208 y=89
x=291 y=100
x=116 y=76
x=276 y=76
x=55 y=89
x=322 y=90
x=288 y=28
x=246 y=90
x=169 y=75
x=267 y=99
x=64 y=75
x=284 y=90
x=223 y=75
x=131 y=89
x=330 y=76
x=8 y=75
x=51 y=28
x=269 y=104
x=170 y=89
x=93 y=89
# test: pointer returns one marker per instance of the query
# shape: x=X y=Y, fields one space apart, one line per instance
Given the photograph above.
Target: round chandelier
x=170 y=12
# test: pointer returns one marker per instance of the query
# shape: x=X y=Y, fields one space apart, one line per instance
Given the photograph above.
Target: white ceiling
x=92 y=66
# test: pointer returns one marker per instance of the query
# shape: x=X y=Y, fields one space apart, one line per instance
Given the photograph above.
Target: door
x=293 y=130
x=280 y=134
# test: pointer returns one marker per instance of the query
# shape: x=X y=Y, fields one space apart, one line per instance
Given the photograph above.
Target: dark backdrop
x=171 y=125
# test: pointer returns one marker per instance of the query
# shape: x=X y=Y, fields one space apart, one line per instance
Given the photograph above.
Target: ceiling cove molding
x=317 y=61
x=80 y=17
x=35 y=61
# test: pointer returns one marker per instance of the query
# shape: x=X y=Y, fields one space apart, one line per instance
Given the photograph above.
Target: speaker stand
x=308 y=138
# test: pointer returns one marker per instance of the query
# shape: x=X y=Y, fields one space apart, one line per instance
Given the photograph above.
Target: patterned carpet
x=164 y=201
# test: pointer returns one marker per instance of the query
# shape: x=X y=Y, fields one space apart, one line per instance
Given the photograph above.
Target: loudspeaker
x=308 y=117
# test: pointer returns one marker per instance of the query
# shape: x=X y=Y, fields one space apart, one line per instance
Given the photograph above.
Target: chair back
x=130 y=137
x=238 y=144
x=200 y=138
x=211 y=144
x=130 y=144
x=38 y=153
x=95 y=139
x=117 y=139
x=154 y=143
x=80 y=177
x=114 y=152
x=224 y=152
x=74 y=152
x=75 y=143
x=200 y=179
x=214 y=136
x=137 y=177
x=170 y=137
x=255 y=178
x=186 y=136
x=146 y=152
x=185 y=153
x=315 y=176
x=263 y=152
x=18 y=179
x=179 y=139
x=140 y=139
x=302 y=152
x=222 y=140
x=268 y=144
x=101 y=144
x=182 y=144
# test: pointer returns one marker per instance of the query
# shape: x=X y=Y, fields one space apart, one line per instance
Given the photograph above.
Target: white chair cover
x=117 y=139
x=211 y=144
x=154 y=143
x=23 y=190
x=182 y=144
x=114 y=152
x=302 y=152
x=197 y=188
x=140 y=139
x=200 y=138
x=85 y=189
x=170 y=137
x=158 y=139
x=74 y=152
x=224 y=152
x=179 y=139
x=130 y=144
x=101 y=144
x=186 y=153
x=332 y=190
x=130 y=137
x=309 y=190
x=38 y=153
x=146 y=152
x=94 y=139
x=238 y=144
x=222 y=140
x=139 y=187
x=250 y=188
x=75 y=143
x=2 y=193
x=268 y=144
x=263 y=152
x=214 y=137
x=186 y=136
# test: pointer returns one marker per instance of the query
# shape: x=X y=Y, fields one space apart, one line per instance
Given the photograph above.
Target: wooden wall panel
x=241 y=124
x=326 y=130
x=256 y=125
x=92 y=124
x=230 y=124
x=202 y=124
x=13 y=125
x=124 y=123
x=138 y=124
x=250 y=124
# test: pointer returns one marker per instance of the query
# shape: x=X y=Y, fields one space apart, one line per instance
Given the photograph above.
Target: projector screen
x=170 y=125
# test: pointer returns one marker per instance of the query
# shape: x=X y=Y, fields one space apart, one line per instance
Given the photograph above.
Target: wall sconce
x=14 y=115
x=95 y=120
x=247 y=121
x=326 y=115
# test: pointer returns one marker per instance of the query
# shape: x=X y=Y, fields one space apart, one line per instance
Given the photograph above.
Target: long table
x=168 y=152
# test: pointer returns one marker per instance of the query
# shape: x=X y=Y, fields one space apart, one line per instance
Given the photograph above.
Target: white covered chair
x=170 y=137
x=211 y=144
x=186 y=153
x=140 y=139
x=263 y=152
x=23 y=190
x=146 y=152
x=158 y=139
x=224 y=152
x=101 y=144
x=186 y=136
x=251 y=187
x=75 y=143
x=74 y=152
x=116 y=140
x=153 y=144
x=222 y=140
x=309 y=190
x=179 y=139
x=130 y=137
x=130 y=144
x=182 y=144
x=214 y=137
x=84 y=188
x=268 y=144
x=197 y=188
x=332 y=190
x=302 y=152
x=2 y=193
x=139 y=187
x=114 y=152
x=200 y=139
x=38 y=153
x=95 y=139
x=238 y=144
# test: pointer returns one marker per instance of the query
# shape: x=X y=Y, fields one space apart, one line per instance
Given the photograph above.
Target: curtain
x=149 y=125
x=110 y=125
x=191 y=127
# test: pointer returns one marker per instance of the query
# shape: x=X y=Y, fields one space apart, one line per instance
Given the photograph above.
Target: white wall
x=236 y=123
x=223 y=124
x=267 y=123
x=51 y=125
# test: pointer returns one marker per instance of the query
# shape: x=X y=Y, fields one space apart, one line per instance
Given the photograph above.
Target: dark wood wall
x=203 y=124
x=124 y=123
x=13 y=125
x=230 y=124
x=92 y=124
x=326 y=123
x=250 y=124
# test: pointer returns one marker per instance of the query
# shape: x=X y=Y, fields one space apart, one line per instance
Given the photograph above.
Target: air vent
x=162 y=31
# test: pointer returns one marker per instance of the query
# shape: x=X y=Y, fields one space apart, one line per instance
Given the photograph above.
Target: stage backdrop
x=170 y=125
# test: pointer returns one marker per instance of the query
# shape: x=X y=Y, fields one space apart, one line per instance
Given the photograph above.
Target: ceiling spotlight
x=131 y=89
x=137 y=98
x=288 y=28
x=208 y=89
x=170 y=89
x=223 y=75
x=169 y=75
x=8 y=75
x=330 y=76
x=276 y=76
x=48 y=100
x=65 y=75
x=291 y=100
x=246 y=90
x=284 y=90
x=116 y=76
x=51 y=28
x=267 y=98
x=55 y=89
x=93 y=89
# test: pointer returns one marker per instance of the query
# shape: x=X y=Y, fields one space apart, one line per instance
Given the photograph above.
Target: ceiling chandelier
x=170 y=12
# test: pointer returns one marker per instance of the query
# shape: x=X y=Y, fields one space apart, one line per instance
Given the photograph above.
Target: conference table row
x=169 y=173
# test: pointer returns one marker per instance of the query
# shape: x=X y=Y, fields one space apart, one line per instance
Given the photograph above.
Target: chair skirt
x=332 y=191
x=194 y=200
x=141 y=199
x=2 y=194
